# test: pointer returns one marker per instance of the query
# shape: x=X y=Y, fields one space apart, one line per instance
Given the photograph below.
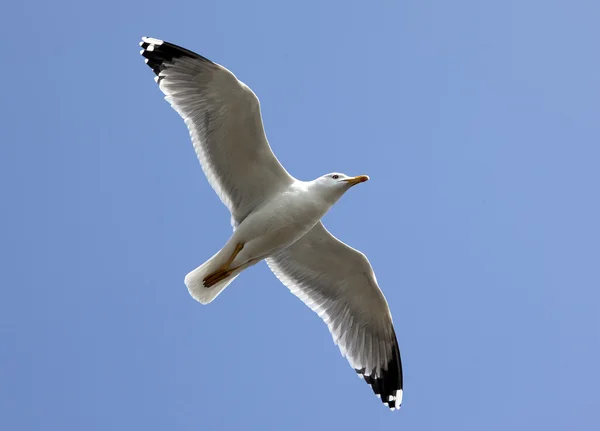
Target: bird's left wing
x=338 y=283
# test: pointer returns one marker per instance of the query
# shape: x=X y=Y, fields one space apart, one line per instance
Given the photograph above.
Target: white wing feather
x=225 y=124
x=338 y=283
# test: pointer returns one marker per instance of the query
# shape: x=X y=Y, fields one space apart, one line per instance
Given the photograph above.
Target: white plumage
x=276 y=217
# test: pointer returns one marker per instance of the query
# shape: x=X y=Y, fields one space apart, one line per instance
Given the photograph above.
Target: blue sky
x=478 y=124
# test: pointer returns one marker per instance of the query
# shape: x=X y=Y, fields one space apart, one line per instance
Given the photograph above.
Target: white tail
x=195 y=281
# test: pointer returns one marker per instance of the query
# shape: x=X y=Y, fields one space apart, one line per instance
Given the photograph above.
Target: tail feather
x=195 y=281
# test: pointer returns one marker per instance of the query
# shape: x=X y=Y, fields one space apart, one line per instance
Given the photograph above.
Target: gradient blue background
x=479 y=125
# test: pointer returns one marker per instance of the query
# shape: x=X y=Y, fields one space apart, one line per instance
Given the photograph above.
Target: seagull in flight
x=276 y=217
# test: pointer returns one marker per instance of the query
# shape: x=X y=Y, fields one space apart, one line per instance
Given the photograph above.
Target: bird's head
x=335 y=184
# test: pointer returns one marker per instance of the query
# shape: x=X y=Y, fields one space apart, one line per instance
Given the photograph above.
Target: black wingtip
x=389 y=384
x=159 y=54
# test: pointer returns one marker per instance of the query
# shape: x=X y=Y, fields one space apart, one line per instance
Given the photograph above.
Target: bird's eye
x=335 y=177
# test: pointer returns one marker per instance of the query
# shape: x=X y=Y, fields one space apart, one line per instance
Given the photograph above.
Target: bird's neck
x=328 y=195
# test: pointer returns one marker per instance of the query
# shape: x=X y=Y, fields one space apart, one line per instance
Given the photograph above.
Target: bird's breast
x=281 y=221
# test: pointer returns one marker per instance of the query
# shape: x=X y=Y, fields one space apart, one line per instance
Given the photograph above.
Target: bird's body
x=280 y=221
x=277 y=217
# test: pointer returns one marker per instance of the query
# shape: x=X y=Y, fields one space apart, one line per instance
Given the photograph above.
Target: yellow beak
x=356 y=180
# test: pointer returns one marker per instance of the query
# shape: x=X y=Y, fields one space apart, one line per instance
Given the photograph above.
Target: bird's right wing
x=225 y=123
x=338 y=283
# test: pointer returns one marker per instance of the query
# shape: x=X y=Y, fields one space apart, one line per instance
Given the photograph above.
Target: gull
x=276 y=217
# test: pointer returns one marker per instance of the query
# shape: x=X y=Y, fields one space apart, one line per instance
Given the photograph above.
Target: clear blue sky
x=479 y=126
